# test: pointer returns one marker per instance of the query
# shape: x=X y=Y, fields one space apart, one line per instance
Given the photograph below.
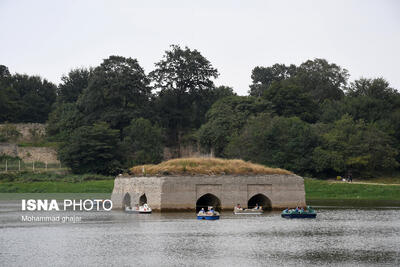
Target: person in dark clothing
x=350 y=177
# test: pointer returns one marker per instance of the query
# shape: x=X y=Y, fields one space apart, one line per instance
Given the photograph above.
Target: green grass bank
x=104 y=186
x=48 y=182
x=379 y=192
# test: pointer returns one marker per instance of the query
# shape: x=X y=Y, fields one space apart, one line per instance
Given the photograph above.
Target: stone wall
x=9 y=149
x=182 y=192
x=29 y=131
x=29 y=154
x=43 y=154
x=151 y=186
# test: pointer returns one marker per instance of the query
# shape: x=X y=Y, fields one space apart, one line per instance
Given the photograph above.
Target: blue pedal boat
x=211 y=214
x=298 y=214
x=207 y=217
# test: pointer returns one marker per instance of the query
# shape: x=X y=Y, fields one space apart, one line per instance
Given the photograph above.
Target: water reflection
x=336 y=237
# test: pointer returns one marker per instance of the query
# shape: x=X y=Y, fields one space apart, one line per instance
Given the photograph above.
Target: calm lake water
x=345 y=237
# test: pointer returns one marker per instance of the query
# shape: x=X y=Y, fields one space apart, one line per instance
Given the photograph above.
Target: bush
x=278 y=142
x=7 y=176
x=226 y=118
x=143 y=142
x=357 y=146
x=93 y=149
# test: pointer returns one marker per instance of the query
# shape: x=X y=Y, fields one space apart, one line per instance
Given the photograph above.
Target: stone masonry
x=180 y=193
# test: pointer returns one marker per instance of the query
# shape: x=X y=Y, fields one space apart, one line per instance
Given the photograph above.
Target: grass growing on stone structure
x=205 y=166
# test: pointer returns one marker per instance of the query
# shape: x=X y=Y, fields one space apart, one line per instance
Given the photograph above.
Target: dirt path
x=369 y=183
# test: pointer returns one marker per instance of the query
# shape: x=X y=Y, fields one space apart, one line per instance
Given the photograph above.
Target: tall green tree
x=184 y=80
x=377 y=88
x=63 y=120
x=32 y=96
x=9 y=99
x=4 y=72
x=290 y=99
x=371 y=99
x=354 y=145
x=276 y=141
x=93 y=149
x=323 y=80
x=143 y=142
x=73 y=84
x=263 y=77
x=226 y=118
x=118 y=91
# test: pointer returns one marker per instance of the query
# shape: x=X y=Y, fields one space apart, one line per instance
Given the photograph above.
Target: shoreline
x=318 y=192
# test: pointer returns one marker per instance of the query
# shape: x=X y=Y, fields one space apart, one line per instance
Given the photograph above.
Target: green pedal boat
x=299 y=213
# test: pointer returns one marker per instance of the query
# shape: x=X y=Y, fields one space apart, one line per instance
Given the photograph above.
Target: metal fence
x=19 y=165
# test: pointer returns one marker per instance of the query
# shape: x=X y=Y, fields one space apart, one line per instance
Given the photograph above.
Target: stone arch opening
x=261 y=200
x=142 y=200
x=126 y=201
x=208 y=200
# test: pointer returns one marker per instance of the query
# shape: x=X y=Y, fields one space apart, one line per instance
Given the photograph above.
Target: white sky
x=48 y=38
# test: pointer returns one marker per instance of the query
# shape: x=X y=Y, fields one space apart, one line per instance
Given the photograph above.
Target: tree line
x=307 y=118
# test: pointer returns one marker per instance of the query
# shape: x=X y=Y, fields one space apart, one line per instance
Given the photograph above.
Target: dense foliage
x=94 y=149
x=25 y=98
x=277 y=142
x=117 y=92
x=186 y=90
x=143 y=142
x=307 y=118
x=226 y=119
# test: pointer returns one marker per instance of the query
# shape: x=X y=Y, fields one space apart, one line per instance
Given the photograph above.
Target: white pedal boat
x=141 y=209
x=238 y=211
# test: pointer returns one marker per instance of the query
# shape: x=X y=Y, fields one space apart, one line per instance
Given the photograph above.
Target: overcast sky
x=49 y=38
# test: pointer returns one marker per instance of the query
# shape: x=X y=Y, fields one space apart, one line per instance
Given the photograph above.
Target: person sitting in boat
x=202 y=211
x=209 y=211
x=238 y=207
x=256 y=207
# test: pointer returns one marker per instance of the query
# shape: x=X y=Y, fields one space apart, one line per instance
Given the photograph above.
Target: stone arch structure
x=261 y=200
x=142 y=200
x=208 y=200
x=180 y=193
x=126 y=201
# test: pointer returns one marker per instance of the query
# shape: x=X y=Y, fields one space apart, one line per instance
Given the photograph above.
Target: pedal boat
x=209 y=215
x=145 y=209
x=238 y=211
x=309 y=213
